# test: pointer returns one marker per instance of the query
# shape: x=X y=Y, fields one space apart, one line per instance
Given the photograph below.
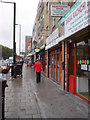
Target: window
x=53 y=21
x=60 y=1
x=47 y=28
x=47 y=6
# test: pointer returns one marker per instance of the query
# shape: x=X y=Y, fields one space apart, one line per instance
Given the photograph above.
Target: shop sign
x=52 y=37
x=37 y=50
x=53 y=43
x=59 y=10
x=83 y=67
x=77 y=18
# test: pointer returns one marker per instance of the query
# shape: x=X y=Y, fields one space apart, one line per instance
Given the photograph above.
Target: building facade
x=64 y=45
x=34 y=41
x=46 y=24
x=68 y=55
x=28 y=44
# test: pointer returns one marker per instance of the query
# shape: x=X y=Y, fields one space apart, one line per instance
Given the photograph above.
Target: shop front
x=54 y=65
x=79 y=64
x=76 y=26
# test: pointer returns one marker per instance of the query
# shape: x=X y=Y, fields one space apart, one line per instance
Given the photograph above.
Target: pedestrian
x=38 y=68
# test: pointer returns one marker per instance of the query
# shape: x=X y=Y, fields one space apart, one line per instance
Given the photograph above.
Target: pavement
x=24 y=98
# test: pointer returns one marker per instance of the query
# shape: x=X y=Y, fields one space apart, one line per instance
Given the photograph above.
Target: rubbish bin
x=3 y=85
x=17 y=70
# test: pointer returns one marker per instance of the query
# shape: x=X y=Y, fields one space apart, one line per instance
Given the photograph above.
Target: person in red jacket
x=38 y=68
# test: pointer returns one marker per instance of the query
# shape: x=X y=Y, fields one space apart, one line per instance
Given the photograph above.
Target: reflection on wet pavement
x=27 y=99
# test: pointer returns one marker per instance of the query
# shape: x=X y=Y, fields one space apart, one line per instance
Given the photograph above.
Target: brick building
x=28 y=44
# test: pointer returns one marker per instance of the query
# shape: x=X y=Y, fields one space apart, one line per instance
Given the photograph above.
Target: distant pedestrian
x=38 y=68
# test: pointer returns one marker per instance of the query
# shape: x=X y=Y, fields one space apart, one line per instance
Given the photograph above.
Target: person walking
x=38 y=68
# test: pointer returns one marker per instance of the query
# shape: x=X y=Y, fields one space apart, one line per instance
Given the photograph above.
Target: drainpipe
x=64 y=65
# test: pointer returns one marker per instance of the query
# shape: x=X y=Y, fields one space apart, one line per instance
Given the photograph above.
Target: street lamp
x=19 y=38
x=14 y=44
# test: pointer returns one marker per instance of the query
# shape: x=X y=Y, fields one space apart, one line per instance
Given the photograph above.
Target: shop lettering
x=69 y=19
x=80 y=9
x=76 y=13
x=80 y=26
x=86 y=22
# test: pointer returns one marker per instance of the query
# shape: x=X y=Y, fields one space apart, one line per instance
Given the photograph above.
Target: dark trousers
x=38 y=77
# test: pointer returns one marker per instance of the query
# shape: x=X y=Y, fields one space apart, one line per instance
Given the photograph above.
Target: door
x=72 y=62
x=55 y=67
x=58 y=67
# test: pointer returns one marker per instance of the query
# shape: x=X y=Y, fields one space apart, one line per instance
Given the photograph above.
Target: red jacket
x=38 y=66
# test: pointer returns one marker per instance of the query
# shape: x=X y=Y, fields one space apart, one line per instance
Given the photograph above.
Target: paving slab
x=27 y=99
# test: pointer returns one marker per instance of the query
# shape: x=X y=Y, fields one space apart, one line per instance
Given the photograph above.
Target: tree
x=6 y=52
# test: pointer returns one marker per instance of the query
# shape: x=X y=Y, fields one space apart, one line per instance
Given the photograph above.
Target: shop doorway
x=55 y=66
x=58 y=68
x=71 y=66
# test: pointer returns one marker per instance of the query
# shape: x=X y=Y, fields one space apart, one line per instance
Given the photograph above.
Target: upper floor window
x=53 y=21
x=47 y=28
x=60 y=1
x=47 y=6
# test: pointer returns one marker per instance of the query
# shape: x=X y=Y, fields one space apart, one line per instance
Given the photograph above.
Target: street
x=27 y=99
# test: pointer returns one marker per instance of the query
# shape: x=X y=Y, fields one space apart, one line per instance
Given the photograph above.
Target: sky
x=25 y=16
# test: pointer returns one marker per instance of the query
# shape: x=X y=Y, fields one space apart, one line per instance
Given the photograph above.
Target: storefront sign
x=59 y=10
x=55 y=42
x=52 y=37
x=37 y=50
x=77 y=18
x=83 y=67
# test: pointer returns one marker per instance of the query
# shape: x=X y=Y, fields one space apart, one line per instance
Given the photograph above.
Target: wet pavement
x=27 y=99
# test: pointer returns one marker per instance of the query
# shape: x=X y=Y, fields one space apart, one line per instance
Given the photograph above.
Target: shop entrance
x=71 y=71
x=58 y=67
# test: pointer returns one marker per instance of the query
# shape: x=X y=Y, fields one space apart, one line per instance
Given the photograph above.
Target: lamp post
x=19 y=38
x=14 y=18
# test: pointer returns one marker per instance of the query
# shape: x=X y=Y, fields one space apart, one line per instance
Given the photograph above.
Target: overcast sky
x=25 y=15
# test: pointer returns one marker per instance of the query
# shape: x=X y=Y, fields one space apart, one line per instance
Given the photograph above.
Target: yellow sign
x=37 y=50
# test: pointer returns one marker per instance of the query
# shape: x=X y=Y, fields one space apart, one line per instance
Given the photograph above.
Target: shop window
x=83 y=67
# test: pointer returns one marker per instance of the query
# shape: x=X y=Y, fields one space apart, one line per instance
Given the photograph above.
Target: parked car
x=5 y=68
